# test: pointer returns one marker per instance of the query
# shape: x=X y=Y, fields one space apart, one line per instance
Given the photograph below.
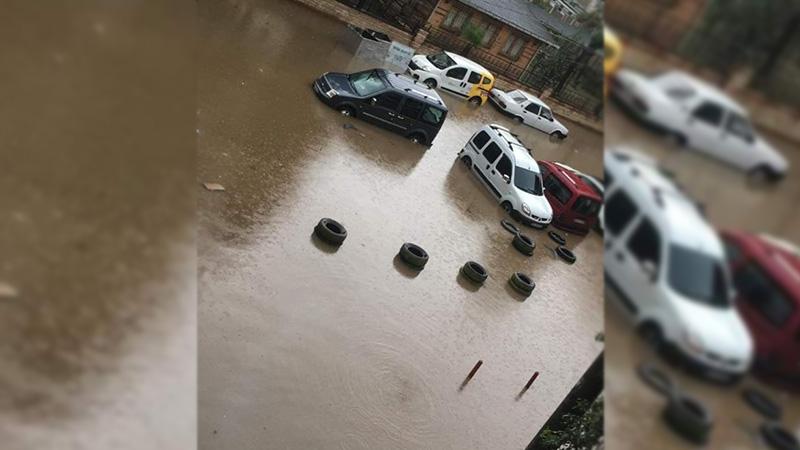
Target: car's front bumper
x=530 y=221
x=702 y=366
x=316 y=86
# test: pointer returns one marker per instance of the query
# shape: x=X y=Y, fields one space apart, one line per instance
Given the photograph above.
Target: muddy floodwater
x=632 y=409
x=97 y=336
x=305 y=346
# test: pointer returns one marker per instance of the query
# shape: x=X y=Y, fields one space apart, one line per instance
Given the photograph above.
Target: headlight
x=693 y=342
x=332 y=93
x=526 y=209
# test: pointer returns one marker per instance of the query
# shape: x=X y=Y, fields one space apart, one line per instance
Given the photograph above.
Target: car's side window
x=546 y=114
x=732 y=251
x=740 y=127
x=557 y=189
x=504 y=166
x=709 y=112
x=480 y=140
x=412 y=108
x=486 y=80
x=645 y=243
x=620 y=210
x=491 y=152
x=389 y=100
x=533 y=108
x=432 y=115
x=474 y=77
x=457 y=73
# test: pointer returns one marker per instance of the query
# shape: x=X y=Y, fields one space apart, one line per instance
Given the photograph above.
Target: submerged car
x=528 y=109
x=668 y=266
x=387 y=99
x=698 y=115
x=576 y=200
x=453 y=73
x=507 y=169
x=766 y=273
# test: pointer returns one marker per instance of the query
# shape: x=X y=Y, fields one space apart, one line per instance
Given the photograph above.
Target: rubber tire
x=524 y=244
x=778 y=437
x=509 y=226
x=475 y=101
x=652 y=335
x=330 y=231
x=762 y=404
x=475 y=272
x=420 y=139
x=688 y=417
x=522 y=283
x=656 y=379
x=414 y=255
x=507 y=207
x=557 y=238
x=766 y=174
x=566 y=254
x=467 y=161
x=430 y=83
x=518 y=119
x=351 y=112
x=558 y=135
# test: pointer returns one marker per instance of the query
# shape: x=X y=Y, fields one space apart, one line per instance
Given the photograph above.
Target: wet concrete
x=96 y=213
x=306 y=346
x=632 y=409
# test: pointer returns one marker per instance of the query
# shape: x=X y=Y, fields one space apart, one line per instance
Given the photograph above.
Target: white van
x=668 y=266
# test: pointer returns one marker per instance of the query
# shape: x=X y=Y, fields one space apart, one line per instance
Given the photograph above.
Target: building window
x=513 y=46
x=455 y=19
x=488 y=34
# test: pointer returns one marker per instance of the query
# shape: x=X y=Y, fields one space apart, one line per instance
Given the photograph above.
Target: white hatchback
x=699 y=116
x=508 y=170
x=528 y=109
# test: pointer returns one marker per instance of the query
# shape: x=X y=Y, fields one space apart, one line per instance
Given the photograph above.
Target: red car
x=574 y=200
x=766 y=273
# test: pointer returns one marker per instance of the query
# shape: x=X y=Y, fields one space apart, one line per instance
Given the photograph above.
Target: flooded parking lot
x=303 y=346
x=632 y=409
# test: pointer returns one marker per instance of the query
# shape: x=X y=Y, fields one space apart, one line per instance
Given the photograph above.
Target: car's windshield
x=441 y=60
x=367 y=83
x=697 y=276
x=528 y=181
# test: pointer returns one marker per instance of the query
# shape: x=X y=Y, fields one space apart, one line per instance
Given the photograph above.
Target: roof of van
x=662 y=200
x=523 y=156
x=703 y=88
x=779 y=258
x=402 y=82
x=470 y=64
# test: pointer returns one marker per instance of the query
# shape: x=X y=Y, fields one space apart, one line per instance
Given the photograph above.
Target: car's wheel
x=509 y=226
x=652 y=334
x=522 y=283
x=763 y=174
x=565 y=254
x=475 y=101
x=688 y=417
x=557 y=238
x=347 y=111
x=656 y=379
x=414 y=255
x=416 y=138
x=518 y=119
x=761 y=403
x=677 y=139
x=524 y=244
x=777 y=437
x=558 y=135
x=430 y=82
x=507 y=207
x=475 y=272
x=330 y=231
x=467 y=161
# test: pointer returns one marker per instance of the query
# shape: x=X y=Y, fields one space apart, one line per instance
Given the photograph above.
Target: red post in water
x=471 y=373
x=528 y=385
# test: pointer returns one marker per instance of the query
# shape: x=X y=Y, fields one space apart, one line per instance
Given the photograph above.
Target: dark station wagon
x=386 y=99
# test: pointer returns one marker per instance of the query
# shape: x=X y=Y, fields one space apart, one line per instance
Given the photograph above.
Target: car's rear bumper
x=571 y=228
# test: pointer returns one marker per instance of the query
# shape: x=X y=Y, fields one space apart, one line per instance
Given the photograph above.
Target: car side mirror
x=507 y=179
x=649 y=268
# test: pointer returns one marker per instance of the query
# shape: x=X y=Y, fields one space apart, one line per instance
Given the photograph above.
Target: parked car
x=509 y=171
x=612 y=57
x=766 y=273
x=576 y=198
x=387 y=99
x=668 y=266
x=528 y=109
x=454 y=74
x=697 y=115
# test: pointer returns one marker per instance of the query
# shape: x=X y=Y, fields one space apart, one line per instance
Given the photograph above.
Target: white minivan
x=509 y=172
x=668 y=266
x=453 y=73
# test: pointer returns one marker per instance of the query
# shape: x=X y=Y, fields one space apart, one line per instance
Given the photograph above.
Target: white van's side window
x=480 y=140
x=620 y=210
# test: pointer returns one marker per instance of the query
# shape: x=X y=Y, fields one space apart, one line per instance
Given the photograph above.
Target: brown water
x=96 y=212
x=305 y=347
x=632 y=409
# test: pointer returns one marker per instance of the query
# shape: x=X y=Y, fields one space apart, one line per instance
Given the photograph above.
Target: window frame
x=510 y=165
x=386 y=94
x=512 y=40
x=610 y=217
x=659 y=241
x=466 y=71
x=705 y=103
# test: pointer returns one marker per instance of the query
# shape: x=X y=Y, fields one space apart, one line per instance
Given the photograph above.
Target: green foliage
x=473 y=33
x=582 y=431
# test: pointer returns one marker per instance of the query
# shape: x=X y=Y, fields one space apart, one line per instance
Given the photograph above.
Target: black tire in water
x=522 y=283
x=475 y=272
x=414 y=255
x=688 y=417
x=566 y=254
x=524 y=244
x=330 y=231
